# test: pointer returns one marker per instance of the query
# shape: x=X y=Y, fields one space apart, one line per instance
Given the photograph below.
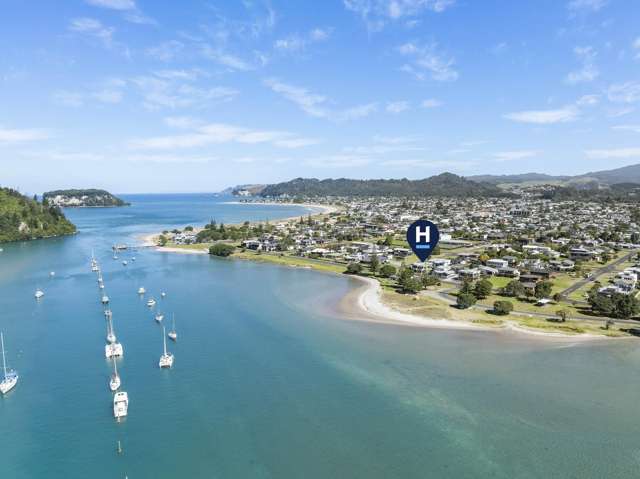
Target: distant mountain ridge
x=625 y=174
x=443 y=185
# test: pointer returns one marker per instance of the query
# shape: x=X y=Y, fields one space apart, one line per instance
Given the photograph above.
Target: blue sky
x=149 y=96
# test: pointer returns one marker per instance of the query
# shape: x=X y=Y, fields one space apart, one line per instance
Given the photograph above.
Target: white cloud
x=319 y=34
x=431 y=103
x=68 y=98
x=10 y=136
x=317 y=105
x=586 y=5
x=113 y=4
x=182 y=122
x=108 y=96
x=296 y=43
x=514 y=155
x=376 y=13
x=633 y=128
x=292 y=43
x=397 y=106
x=426 y=60
x=164 y=90
x=613 y=153
x=93 y=27
x=588 y=71
x=224 y=58
x=218 y=133
x=588 y=100
x=166 y=51
x=628 y=92
x=545 y=117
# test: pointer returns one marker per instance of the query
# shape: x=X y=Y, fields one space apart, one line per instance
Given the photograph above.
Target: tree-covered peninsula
x=23 y=218
x=85 y=197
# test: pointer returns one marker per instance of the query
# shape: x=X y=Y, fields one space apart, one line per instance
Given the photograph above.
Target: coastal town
x=569 y=266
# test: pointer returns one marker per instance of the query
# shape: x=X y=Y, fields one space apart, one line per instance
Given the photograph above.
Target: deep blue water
x=269 y=383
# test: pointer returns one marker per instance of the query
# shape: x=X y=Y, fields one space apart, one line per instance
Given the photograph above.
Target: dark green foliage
x=502 y=307
x=513 y=289
x=543 y=289
x=483 y=288
x=221 y=249
x=23 y=218
x=354 y=268
x=445 y=185
x=616 y=305
x=387 y=270
x=430 y=280
x=465 y=300
x=94 y=197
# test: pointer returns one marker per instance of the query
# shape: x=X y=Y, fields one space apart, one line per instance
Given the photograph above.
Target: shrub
x=465 y=300
x=502 y=307
x=354 y=268
x=221 y=249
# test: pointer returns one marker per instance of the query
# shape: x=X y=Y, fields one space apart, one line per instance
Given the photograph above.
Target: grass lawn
x=288 y=260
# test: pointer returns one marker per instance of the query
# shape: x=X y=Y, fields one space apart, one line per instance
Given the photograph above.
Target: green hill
x=443 y=185
x=86 y=197
x=22 y=218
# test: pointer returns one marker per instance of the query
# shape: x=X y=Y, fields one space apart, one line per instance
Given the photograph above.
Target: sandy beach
x=364 y=304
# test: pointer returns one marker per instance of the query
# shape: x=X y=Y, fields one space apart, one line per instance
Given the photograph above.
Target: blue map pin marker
x=423 y=237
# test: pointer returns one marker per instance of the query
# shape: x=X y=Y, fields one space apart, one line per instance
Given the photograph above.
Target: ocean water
x=269 y=383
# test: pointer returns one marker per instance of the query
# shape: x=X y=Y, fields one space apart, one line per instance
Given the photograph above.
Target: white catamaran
x=114 y=382
x=10 y=378
x=166 y=360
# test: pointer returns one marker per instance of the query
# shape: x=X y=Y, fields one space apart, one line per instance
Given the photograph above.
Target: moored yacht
x=124 y=263
x=10 y=378
x=114 y=382
x=159 y=317
x=120 y=404
x=39 y=293
x=172 y=334
x=141 y=290
x=166 y=360
x=113 y=350
x=105 y=299
x=151 y=303
x=111 y=335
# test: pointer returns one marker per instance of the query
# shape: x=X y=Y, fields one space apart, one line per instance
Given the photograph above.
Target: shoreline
x=149 y=239
x=365 y=304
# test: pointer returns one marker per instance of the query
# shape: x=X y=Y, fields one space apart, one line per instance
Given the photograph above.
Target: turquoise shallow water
x=268 y=383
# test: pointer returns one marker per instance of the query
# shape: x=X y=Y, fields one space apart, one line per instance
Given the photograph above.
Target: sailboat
x=159 y=316
x=39 y=293
x=114 y=382
x=141 y=290
x=94 y=263
x=151 y=303
x=111 y=336
x=166 y=360
x=10 y=376
x=172 y=334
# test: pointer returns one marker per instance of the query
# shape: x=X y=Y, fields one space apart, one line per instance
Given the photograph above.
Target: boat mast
x=4 y=363
x=164 y=341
